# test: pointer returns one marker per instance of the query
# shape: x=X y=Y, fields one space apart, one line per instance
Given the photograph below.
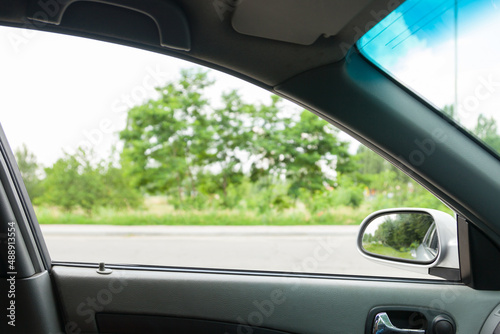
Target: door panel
x=289 y=304
x=153 y=324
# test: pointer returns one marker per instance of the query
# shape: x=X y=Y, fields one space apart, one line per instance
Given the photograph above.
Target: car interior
x=305 y=52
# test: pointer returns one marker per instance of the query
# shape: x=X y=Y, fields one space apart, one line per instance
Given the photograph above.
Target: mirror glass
x=409 y=236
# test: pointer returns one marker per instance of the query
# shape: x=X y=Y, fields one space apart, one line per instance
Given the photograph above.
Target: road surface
x=313 y=249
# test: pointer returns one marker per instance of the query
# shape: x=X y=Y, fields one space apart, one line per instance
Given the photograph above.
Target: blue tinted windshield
x=447 y=52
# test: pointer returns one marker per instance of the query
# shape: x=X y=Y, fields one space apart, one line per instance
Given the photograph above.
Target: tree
x=118 y=190
x=231 y=141
x=65 y=186
x=30 y=169
x=401 y=231
x=81 y=181
x=370 y=162
x=302 y=148
x=380 y=178
x=486 y=130
x=179 y=145
x=313 y=155
x=267 y=141
x=167 y=140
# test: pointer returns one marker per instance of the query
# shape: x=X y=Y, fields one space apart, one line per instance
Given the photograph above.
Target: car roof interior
x=303 y=50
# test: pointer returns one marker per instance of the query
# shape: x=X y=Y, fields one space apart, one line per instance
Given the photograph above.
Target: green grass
x=387 y=251
x=163 y=215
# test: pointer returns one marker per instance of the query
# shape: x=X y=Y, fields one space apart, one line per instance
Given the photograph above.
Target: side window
x=132 y=157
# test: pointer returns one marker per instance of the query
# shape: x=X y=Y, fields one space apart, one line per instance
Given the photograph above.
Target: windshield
x=446 y=52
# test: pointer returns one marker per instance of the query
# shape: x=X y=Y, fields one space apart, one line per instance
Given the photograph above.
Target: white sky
x=60 y=92
x=430 y=72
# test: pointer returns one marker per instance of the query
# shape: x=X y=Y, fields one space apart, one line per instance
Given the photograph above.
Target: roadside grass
x=387 y=251
x=158 y=212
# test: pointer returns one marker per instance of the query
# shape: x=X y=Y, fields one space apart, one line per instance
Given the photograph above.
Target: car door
x=43 y=296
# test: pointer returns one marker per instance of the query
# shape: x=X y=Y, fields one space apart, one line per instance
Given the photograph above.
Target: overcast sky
x=60 y=92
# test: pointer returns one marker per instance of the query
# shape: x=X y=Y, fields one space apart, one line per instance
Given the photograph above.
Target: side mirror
x=421 y=240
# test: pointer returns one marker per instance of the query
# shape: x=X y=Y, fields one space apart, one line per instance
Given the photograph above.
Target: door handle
x=383 y=325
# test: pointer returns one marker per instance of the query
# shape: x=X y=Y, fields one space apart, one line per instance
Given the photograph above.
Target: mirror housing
x=439 y=261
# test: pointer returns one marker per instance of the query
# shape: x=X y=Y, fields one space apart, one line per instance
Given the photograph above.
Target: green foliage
x=29 y=169
x=350 y=195
x=231 y=138
x=118 y=191
x=486 y=130
x=402 y=231
x=449 y=110
x=167 y=140
x=388 y=251
x=206 y=217
x=178 y=145
x=312 y=154
x=77 y=181
x=257 y=158
x=62 y=184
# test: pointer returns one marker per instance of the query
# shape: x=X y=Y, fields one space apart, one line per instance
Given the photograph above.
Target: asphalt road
x=314 y=249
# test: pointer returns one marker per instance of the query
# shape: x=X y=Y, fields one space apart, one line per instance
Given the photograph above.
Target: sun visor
x=295 y=21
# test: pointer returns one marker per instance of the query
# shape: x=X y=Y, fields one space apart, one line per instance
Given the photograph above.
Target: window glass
x=445 y=51
x=132 y=157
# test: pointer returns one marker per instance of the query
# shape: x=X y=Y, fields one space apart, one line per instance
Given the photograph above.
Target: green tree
x=179 y=145
x=81 y=181
x=370 y=162
x=231 y=142
x=167 y=140
x=401 y=231
x=381 y=179
x=267 y=141
x=302 y=148
x=119 y=192
x=67 y=185
x=30 y=170
x=486 y=129
x=313 y=155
